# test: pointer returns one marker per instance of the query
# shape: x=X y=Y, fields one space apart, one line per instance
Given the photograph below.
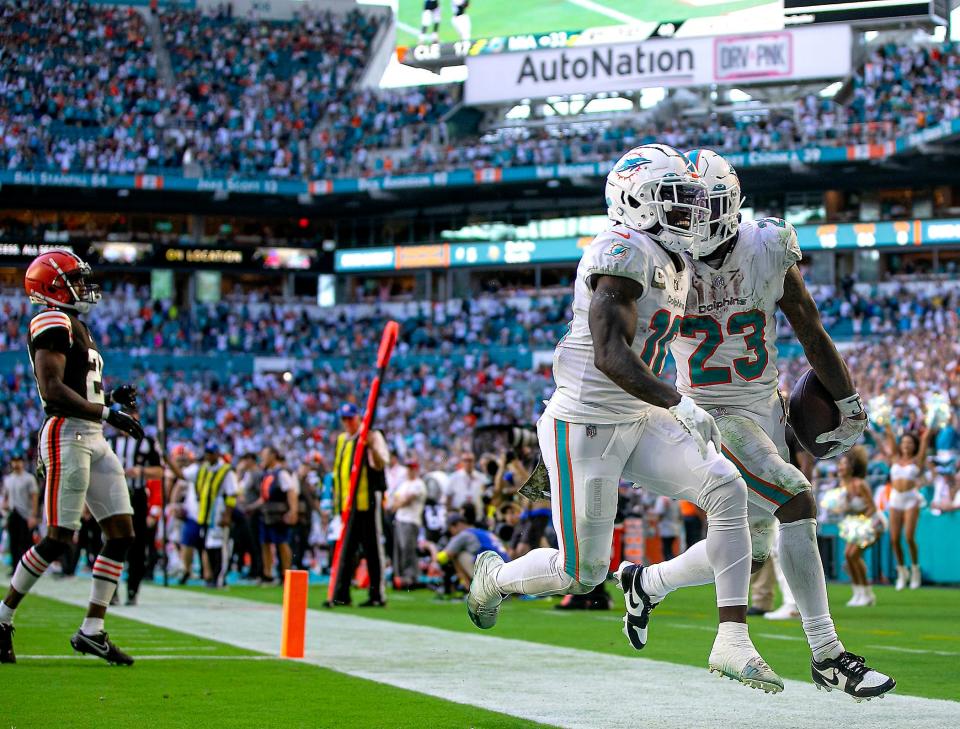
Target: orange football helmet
x=59 y=278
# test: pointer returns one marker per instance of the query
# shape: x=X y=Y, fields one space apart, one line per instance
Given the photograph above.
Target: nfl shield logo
x=591 y=431
x=718 y=282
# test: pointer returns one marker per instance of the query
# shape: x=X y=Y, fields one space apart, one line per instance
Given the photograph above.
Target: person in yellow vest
x=366 y=533
x=210 y=495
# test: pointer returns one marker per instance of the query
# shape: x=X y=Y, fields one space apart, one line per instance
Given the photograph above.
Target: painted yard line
x=39 y=657
x=710 y=629
x=542 y=683
x=927 y=651
x=609 y=12
x=415 y=32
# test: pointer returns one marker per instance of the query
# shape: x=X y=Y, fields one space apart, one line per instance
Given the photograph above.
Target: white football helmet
x=654 y=188
x=723 y=195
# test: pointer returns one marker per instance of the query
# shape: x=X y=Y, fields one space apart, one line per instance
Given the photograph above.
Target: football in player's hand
x=812 y=413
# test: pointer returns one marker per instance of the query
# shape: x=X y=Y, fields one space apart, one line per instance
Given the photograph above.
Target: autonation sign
x=798 y=53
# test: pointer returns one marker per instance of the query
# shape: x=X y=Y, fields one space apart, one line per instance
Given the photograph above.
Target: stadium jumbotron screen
x=457 y=21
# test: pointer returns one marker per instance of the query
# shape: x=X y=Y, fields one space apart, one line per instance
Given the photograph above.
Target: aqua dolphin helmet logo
x=630 y=165
x=617 y=250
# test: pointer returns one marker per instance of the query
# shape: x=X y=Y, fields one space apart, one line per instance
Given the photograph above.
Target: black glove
x=125 y=396
x=125 y=422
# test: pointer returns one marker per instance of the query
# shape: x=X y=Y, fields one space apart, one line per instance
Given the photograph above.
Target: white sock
x=6 y=613
x=106 y=575
x=800 y=561
x=731 y=633
x=685 y=570
x=785 y=592
x=858 y=590
x=538 y=572
x=728 y=541
x=91 y=626
x=462 y=24
x=29 y=569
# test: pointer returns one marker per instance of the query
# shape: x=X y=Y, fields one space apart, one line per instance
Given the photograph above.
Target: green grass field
x=491 y=18
x=180 y=680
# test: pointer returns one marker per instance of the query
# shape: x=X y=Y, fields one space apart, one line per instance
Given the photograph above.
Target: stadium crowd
x=128 y=320
x=429 y=412
x=81 y=91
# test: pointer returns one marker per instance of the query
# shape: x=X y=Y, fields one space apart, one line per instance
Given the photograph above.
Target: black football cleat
x=850 y=674
x=6 y=643
x=101 y=646
x=372 y=603
x=639 y=603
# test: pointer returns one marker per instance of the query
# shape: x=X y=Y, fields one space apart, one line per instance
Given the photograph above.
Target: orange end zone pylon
x=293 y=631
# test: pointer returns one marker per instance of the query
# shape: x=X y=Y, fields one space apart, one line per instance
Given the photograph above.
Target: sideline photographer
x=519 y=450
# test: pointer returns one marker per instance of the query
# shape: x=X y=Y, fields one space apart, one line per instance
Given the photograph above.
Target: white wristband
x=850 y=407
x=105 y=413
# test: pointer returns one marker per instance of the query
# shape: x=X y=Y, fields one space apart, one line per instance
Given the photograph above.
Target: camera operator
x=535 y=515
x=513 y=469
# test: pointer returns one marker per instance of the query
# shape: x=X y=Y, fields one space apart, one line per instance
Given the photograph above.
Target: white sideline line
x=543 y=683
x=609 y=12
x=152 y=658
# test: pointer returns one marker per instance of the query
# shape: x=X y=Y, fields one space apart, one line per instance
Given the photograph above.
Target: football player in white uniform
x=612 y=417
x=726 y=359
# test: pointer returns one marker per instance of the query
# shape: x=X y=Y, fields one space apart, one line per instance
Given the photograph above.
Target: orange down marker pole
x=294 y=626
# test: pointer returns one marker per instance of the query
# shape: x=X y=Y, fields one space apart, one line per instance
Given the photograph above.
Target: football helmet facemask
x=654 y=188
x=724 y=196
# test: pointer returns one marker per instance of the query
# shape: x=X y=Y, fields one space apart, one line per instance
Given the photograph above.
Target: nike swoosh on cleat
x=835 y=681
x=97 y=648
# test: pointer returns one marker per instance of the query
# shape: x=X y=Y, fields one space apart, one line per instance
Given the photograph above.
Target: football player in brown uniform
x=78 y=464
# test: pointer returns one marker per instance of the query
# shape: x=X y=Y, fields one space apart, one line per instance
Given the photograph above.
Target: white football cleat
x=915 y=579
x=857 y=599
x=740 y=661
x=851 y=675
x=484 y=598
x=901 y=578
x=784 y=612
x=638 y=603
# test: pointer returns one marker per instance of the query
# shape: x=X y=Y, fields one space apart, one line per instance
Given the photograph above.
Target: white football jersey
x=726 y=353
x=584 y=394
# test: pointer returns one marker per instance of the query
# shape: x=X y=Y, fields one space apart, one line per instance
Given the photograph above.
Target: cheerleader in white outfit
x=907 y=462
x=860 y=507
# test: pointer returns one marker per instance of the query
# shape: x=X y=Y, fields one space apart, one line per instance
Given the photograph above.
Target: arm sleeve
x=617 y=252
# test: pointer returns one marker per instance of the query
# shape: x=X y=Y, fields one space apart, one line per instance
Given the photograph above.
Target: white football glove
x=698 y=422
x=850 y=429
